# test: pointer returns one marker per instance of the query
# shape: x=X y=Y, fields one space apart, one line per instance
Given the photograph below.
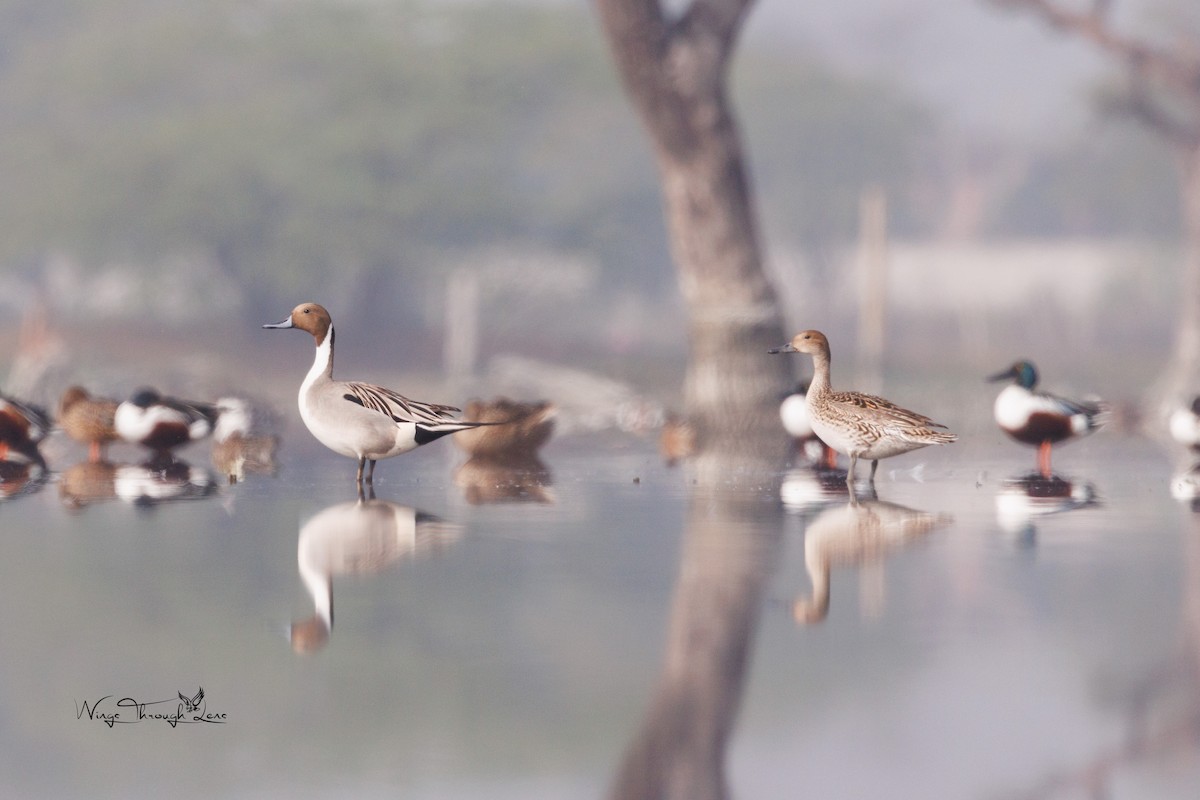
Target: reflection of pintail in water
x=808 y=489
x=21 y=473
x=512 y=480
x=238 y=447
x=1027 y=497
x=358 y=538
x=856 y=535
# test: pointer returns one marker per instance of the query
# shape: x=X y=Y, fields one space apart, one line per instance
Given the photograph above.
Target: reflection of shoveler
x=526 y=427
x=859 y=425
x=1185 y=425
x=793 y=413
x=88 y=420
x=360 y=420
x=22 y=472
x=1025 y=498
x=1039 y=418
x=161 y=424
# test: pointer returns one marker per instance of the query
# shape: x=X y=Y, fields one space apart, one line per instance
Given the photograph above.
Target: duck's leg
x=1044 y=459
x=94 y=453
x=874 y=466
x=371 y=472
x=850 y=473
x=361 y=463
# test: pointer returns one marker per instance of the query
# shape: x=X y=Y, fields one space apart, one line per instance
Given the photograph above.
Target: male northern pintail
x=793 y=413
x=88 y=420
x=859 y=425
x=360 y=420
x=160 y=424
x=1040 y=418
x=1184 y=425
x=22 y=427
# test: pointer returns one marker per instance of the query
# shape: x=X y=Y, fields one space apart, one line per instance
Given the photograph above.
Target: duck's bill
x=287 y=323
x=787 y=348
x=1002 y=376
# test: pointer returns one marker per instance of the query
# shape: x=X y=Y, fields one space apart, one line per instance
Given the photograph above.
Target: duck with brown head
x=857 y=424
x=361 y=420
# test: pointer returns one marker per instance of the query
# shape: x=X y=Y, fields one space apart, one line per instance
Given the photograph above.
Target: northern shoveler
x=160 y=424
x=857 y=424
x=1184 y=425
x=520 y=430
x=1040 y=418
x=22 y=427
x=88 y=420
x=360 y=420
x=793 y=413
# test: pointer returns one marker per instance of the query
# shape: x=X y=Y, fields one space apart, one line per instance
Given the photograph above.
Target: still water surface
x=613 y=619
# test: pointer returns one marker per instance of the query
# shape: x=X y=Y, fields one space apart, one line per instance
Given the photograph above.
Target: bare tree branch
x=1150 y=62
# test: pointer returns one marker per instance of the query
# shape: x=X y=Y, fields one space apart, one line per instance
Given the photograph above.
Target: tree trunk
x=674 y=73
x=1181 y=378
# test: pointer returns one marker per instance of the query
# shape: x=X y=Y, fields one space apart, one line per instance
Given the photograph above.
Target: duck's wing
x=431 y=416
x=39 y=420
x=881 y=411
x=1061 y=405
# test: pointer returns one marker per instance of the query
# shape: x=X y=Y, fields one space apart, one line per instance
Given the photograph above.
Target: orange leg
x=1044 y=459
x=830 y=457
x=94 y=453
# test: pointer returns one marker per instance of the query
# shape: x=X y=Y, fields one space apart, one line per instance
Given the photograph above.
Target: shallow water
x=615 y=621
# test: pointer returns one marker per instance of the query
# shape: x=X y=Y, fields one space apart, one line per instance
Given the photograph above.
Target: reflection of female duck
x=523 y=480
x=357 y=538
x=853 y=535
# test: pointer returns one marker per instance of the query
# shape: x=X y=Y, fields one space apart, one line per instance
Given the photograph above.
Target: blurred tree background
x=166 y=156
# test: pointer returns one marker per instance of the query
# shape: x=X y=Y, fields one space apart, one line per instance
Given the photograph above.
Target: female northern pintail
x=22 y=426
x=360 y=420
x=88 y=420
x=1040 y=418
x=527 y=426
x=793 y=413
x=859 y=425
x=238 y=447
x=161 y=424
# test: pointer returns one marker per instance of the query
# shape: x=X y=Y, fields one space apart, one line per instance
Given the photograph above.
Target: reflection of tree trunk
x=730 y=543
x=674 y=72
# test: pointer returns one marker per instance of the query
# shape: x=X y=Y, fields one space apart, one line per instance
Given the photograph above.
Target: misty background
x=180 y=167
